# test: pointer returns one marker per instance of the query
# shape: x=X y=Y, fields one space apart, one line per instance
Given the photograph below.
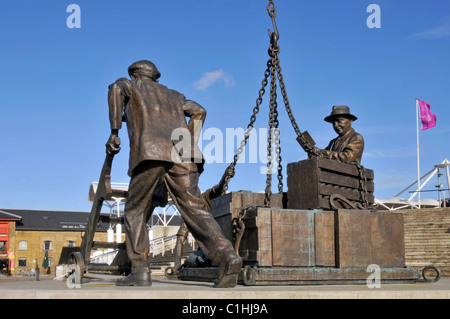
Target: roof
x=52 y=220
x=427 y=203
x=65 y=220
x=401 y=203
x=9 y=216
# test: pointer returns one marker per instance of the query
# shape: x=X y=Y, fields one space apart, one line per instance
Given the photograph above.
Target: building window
x=3 y=245
x=47 y=245
x=22 y=262
x=70 y=243
x=23 y=245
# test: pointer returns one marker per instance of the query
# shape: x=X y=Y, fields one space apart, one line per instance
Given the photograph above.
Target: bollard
x=36 y=273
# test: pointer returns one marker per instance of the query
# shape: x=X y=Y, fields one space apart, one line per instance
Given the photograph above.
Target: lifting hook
x=273 y=14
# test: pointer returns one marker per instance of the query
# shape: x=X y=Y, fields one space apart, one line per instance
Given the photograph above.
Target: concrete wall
x=161 y=231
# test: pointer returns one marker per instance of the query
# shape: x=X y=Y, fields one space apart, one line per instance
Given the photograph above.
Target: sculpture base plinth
x=275 y=276
x=309 y=247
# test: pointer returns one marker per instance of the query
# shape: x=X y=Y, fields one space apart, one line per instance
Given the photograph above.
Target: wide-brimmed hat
x=340 y=110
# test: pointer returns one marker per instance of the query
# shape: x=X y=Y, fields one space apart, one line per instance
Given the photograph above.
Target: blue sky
x=54 y=82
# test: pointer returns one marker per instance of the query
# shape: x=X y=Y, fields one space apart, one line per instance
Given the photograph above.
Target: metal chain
x=239 y=229
x=273 y=106
x=344 y=202
x=271 y=9
x=363 y=185
x=275 y=130
x=276 y=134
x=363 y=192
x=274 y=51
x=308 y=148
x=273 y=68
x=250 y=125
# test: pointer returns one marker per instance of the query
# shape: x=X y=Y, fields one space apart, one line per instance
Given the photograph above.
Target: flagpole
x=418 y=150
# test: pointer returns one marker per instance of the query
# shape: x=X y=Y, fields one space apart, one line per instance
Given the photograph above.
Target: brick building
x=26 y=235
x=7 y=243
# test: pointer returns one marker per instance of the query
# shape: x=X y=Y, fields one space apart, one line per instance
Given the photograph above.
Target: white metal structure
x=397 y=202
x=158 y=246
x=164 y=216
x=116 y=203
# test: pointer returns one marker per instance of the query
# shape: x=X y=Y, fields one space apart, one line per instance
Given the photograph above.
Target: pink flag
x=428 y=119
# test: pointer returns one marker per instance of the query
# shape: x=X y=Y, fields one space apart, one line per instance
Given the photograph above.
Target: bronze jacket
x=156 y=121
x=348 y=148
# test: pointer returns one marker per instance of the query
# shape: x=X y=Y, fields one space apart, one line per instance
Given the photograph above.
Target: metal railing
x=104 y=256
x=161 y=245
x=158 y=246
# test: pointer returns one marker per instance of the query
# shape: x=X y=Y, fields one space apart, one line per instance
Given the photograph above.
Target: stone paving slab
x=103 y=287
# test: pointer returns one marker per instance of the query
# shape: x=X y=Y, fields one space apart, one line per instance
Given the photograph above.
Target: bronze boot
x=229 y=269
x=138 y=277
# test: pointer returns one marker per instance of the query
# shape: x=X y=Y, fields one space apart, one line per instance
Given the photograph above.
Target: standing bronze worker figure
x=152 y=113
x=348 y=147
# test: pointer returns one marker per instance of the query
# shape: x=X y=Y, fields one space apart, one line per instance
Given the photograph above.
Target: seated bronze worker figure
x=348 y=147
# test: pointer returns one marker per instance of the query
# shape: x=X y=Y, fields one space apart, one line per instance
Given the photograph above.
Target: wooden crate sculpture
x=276 y=237
x=299 y=240
x=228 y=207
x=311 y=183
x=344 y=238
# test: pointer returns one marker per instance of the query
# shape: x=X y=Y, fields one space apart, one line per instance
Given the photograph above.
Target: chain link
x=250 y=125
x=239 y=229
x=272 y=107
x=363 y=185
x=306 y=145
x=274 y=70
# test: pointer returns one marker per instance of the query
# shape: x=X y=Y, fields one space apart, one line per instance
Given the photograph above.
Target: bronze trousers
x=182 y=183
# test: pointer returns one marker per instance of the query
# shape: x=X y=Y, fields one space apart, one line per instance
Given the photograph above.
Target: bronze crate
x=227 y=207
x=324 y=238
x=311 y=183
x=352 y=238
x=366 y=237
x=387 y=238
x=277 y=237
x=282 y=276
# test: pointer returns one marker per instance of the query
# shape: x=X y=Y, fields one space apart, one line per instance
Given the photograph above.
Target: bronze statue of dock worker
x=207 y=197
x=152 y=112
x=348 y=147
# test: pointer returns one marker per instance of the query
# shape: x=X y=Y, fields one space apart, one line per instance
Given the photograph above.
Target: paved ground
x=103 y=287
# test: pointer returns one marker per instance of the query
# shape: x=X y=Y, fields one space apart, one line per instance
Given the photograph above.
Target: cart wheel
x=76 y=258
